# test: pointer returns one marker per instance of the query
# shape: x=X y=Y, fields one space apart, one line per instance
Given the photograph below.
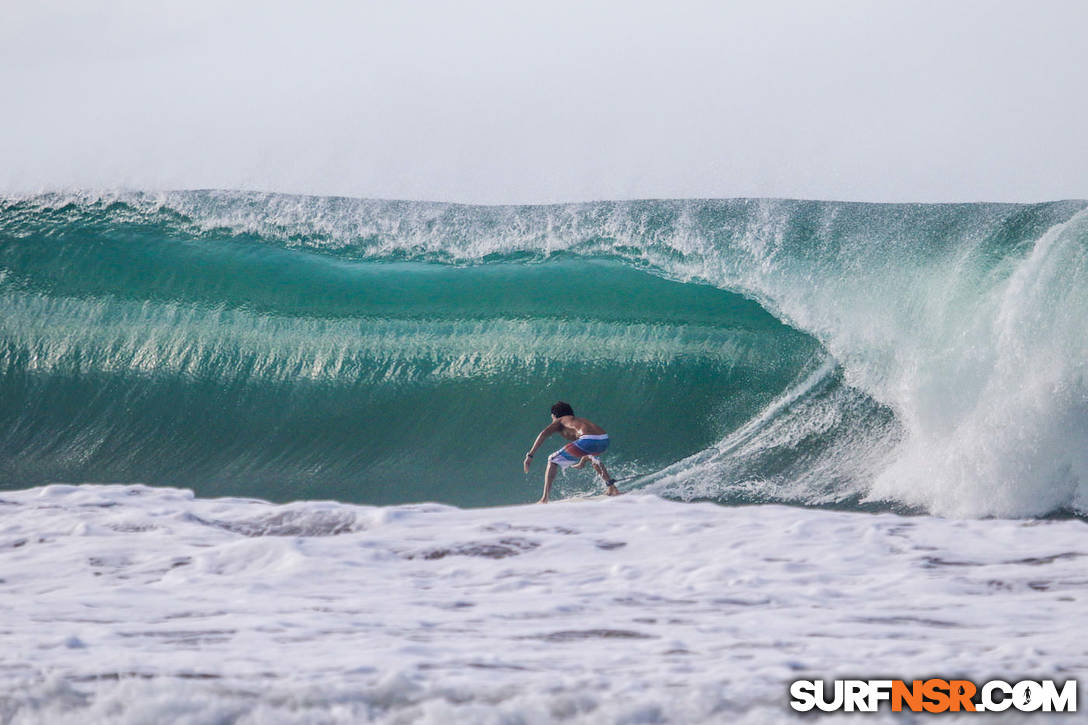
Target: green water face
x=287 y=346
x=237 y=368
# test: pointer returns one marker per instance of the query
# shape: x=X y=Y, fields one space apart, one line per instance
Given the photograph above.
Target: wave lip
x=999 y=419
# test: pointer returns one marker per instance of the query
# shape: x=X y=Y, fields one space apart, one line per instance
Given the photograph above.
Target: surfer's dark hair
x=560 y=409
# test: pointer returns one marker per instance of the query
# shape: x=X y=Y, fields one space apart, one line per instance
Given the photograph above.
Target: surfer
x=589 y=440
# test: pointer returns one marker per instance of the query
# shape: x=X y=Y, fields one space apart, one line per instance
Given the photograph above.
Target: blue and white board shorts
x=571 y=453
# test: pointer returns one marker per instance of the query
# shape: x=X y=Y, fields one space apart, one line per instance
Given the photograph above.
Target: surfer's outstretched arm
x=552 y=427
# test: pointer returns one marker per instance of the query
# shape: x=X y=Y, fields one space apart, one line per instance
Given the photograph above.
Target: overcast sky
x=497 y=102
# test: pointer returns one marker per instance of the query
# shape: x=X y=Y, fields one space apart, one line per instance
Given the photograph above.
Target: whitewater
x=260 y=455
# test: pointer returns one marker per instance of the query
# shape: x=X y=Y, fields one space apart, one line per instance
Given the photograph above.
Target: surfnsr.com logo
x=934 y=695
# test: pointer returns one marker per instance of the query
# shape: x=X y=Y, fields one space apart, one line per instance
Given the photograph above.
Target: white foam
x=135 y=604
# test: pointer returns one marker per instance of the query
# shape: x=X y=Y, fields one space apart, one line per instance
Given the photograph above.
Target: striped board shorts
x=571 y=453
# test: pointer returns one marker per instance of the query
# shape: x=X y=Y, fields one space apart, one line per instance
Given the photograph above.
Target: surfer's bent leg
x=592 y=446
x=610 y=486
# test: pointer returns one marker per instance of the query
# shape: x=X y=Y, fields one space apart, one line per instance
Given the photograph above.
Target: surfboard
x=585 y=497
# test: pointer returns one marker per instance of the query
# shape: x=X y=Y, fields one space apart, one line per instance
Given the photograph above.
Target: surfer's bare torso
x=572 y=427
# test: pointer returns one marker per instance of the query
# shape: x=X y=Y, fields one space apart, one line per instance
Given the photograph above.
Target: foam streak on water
x=128 y=604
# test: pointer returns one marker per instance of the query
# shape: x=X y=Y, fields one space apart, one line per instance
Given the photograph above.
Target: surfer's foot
x=612 y=490
x=543 y=500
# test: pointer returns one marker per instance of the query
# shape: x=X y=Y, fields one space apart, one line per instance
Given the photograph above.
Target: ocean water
x=852 y=438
